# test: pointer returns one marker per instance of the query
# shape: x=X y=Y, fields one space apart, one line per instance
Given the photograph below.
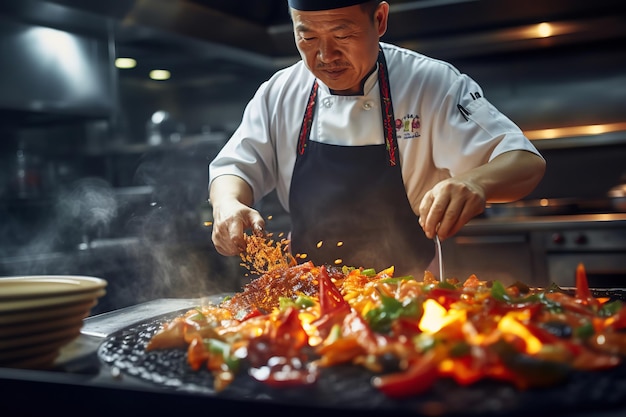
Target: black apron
x=352 y=199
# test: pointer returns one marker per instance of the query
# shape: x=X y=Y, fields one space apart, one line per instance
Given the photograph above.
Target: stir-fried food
x=264 y=254
x=294 y=321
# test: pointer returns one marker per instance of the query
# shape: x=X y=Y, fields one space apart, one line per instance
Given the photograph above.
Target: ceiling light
x=125 y=63
x=159 y=117
x=544 y=30
x=160 y=74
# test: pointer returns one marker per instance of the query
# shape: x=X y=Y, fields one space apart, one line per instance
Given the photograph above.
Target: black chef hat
x=314 y=5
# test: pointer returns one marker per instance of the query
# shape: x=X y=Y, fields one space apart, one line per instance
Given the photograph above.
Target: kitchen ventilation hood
x=46 y=74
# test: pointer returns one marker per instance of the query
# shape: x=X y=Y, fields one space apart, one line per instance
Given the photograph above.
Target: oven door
x=506 y=257
x=601 y=251
x=604 y=269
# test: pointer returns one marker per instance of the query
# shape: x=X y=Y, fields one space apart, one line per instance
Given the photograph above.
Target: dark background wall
x=93 y=188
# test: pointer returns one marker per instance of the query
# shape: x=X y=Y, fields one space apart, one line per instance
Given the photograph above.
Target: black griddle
x=346 y=390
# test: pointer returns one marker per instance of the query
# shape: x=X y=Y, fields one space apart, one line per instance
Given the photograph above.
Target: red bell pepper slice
x=289 y=334
x=283 y=366
x=197 y=353
x=545 y=337
x=354 y=324
x=417 y=379
x=333 y=307
x=582 y=287
x=445 y=296
x=406 y=327
x=254 y=312
x=570 y=303
x=494 y=307
x=331 y=299
x=618 y=320
x=465 y=372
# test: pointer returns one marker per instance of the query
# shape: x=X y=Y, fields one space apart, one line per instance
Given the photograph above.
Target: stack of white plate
x=41 y=314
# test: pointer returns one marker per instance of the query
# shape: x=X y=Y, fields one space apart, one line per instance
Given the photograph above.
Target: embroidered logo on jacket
x=408 y=127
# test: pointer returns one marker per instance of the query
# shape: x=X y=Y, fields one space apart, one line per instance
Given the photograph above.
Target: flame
x=257 y=331
x=436 y=317
x=307 y=319
x=510 y=323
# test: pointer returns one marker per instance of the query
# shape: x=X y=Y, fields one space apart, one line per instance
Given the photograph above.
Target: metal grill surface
x=348 y=387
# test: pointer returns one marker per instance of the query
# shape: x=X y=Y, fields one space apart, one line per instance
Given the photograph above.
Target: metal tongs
x=438 y=257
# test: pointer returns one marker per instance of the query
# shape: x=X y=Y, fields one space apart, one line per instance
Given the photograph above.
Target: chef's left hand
x=450 y=204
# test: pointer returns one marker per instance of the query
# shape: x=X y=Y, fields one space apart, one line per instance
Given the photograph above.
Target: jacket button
x=368 y=105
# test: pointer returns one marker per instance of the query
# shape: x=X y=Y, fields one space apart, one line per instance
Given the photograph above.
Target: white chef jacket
x=444 y=125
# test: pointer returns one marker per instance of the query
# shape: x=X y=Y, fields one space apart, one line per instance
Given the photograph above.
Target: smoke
x=88 y=207
x=176 y=256
x=147 y=240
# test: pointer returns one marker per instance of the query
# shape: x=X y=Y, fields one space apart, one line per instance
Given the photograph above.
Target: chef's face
x=340 y=46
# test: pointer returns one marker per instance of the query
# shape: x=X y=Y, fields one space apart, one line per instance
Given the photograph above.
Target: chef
x=372 y=148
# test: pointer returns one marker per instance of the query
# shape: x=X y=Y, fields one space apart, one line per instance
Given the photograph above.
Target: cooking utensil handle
x=439 y=257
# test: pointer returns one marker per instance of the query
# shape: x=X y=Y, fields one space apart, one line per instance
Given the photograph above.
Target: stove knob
x=558 y=238
x=581 y=239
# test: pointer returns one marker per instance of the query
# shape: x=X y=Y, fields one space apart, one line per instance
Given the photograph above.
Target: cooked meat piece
x=263 y=293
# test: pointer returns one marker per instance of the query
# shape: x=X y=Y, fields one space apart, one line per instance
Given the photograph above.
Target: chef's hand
x=450 y=204
x=231 y=198
x=230 y=221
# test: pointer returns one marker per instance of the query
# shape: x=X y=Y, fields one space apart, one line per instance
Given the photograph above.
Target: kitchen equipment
x=439 y=257
x=617 y=196
x=26 y=178
x=601 y=250
x=538 y=207
x=101 y=389
x=539 y=249
x=346 y=390
x=41 y=314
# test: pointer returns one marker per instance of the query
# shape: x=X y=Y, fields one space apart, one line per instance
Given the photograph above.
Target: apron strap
x=388 y=118
x=386 y=106
x=305 y=129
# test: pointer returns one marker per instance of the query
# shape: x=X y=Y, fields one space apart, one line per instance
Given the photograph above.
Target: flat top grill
x=107 y=372
x=348 y=388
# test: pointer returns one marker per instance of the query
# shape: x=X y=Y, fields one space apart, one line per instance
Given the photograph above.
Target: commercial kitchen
x=110 y=113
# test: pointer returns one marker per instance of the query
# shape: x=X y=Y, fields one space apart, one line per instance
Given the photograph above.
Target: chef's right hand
x=231 y=219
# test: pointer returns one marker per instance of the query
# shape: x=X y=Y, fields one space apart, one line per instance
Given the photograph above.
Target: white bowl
x=41 y=314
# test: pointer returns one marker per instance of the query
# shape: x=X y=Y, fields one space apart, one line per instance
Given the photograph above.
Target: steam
x=90 y=205
x=146 y=240
x=176 y=245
